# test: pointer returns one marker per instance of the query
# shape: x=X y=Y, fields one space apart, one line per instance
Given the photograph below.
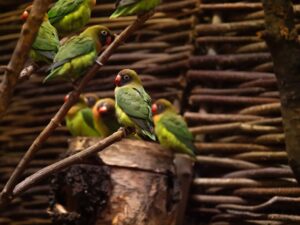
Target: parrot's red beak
x=25 y=15
x=154 y=109
x=102 y=109
x=109 y=40
x=118 y=80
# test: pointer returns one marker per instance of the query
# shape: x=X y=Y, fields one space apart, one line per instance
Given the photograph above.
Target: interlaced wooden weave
x=209 y=58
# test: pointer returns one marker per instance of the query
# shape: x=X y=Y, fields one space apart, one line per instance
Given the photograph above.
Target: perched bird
x=70 y=15
x=105 y=119
x=133 y=104
x=79 y=119
x=90 y=99
x=46 y=43
x=78 y=53
x=133 y=7
x=171 y=129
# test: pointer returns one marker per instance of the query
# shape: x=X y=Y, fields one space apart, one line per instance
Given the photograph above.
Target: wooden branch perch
x=71 y=160
x=73 y=96
x=20 y=54
x=281 y=37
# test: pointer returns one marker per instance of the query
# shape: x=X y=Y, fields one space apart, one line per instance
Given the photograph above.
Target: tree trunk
x=136 y=185
x=282 y=39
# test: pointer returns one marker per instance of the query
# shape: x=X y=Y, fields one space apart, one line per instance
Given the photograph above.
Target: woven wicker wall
x=209 y=59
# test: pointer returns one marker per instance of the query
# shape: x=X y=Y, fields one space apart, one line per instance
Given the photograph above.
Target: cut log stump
x=131 y=182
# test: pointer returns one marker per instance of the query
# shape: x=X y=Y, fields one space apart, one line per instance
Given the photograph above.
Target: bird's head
x=104 y=108
x=89 y=99
x=86 y=100
x=102 y=33
x=127 y=76
x=162 y=105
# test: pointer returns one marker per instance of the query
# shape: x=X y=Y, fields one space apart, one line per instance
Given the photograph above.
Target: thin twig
x=71 y=160
x=74 y=95
x=226 y=162
x=262 y=206
x=20 y=54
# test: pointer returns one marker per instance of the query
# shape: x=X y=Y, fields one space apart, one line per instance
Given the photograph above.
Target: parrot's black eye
x=126 y=77
x=160 y=108
x=104 y=33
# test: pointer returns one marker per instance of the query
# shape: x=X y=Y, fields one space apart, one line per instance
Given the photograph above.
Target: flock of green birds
x=70 y=59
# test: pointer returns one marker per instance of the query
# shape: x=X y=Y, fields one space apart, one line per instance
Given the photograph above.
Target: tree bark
x=282 y=39
x=136 y=182
x=184 y=171
x=20 y=54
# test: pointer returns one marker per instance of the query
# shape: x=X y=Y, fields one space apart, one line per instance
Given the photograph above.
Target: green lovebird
x=105 y=119
x=133 y=104
x=79 y=119
x=78 y=53
x=133 y=7
x=46 y=43
x=171 y=128
x=70 y=15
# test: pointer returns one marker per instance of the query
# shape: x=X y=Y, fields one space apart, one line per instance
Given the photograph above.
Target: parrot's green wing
x=88 y=117
x=47 y=41
x=62 y=8
x=126 y=2
x=177 y=126
x=133 y=7
x=76 y=46
x=135 y=102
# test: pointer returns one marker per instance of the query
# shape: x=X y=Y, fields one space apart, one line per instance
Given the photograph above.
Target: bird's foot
x=127 y=131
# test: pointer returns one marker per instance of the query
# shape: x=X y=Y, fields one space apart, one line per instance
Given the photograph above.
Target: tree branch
x=71 y=160
x=20 y=54
x=281 y=37
x=66 y=162
x=6 y=193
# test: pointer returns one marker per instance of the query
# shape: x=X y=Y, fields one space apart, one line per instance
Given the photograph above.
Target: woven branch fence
x=209 y=59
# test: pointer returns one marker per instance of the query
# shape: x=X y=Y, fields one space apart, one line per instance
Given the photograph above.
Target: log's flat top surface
x=130 y=153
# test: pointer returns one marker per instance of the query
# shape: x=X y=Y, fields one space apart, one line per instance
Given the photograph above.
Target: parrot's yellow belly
x=78 y=65
x=123 y=118
x=168 y=140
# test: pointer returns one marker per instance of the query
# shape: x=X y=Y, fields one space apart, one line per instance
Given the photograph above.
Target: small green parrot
x=171 y=128
x=68 y=16
x=133 y=104
x=133 y=7
x=46 y=43
x=79 y=119
x=78 y=53
x=105 y=119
